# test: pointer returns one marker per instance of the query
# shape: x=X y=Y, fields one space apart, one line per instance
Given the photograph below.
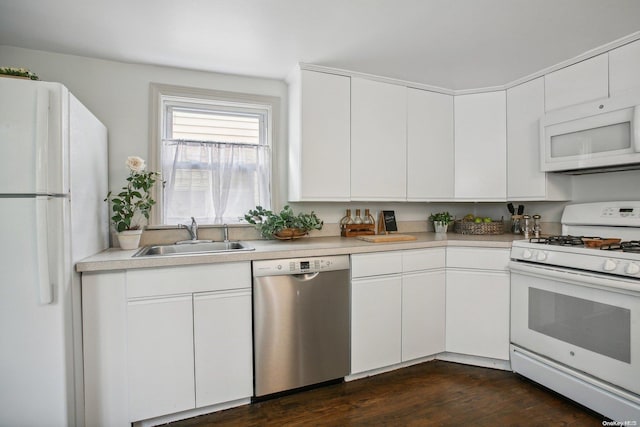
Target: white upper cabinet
x=582 y=82
x=624 y=68
x=378 y=141
x=430 y=147
x=480 y=146
x=525 y=107
x=319 y=139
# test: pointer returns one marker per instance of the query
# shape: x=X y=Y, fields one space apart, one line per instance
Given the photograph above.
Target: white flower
x=135 y=163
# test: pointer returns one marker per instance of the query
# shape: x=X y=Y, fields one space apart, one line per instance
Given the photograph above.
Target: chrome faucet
x=192 y=229
x=226 y=233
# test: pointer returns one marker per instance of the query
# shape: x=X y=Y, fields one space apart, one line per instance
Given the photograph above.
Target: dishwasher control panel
x=278 y=267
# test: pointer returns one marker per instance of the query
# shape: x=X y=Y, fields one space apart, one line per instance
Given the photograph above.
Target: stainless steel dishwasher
x=301 y=322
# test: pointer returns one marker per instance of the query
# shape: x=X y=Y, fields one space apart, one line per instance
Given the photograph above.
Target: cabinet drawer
x=149 y=282
x=423 y=259
x=478 y=258
x=363 y=265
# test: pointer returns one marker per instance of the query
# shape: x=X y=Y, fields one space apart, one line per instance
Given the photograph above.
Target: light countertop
x=118 y=259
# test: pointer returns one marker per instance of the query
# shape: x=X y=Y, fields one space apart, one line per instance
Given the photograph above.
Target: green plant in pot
x=284 y=225
x=132 y=203
x=441 y=221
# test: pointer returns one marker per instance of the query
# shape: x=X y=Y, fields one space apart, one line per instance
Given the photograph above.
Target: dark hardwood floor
x=430 y=394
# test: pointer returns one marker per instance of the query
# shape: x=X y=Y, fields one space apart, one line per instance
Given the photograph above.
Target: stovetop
x=592 y=242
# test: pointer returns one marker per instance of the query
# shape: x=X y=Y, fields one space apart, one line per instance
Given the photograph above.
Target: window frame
x=161 y=91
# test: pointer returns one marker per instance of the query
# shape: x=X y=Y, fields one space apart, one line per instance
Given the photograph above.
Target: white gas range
x=575 y=308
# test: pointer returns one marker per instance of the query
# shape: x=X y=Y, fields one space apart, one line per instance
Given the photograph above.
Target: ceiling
x=454 y=44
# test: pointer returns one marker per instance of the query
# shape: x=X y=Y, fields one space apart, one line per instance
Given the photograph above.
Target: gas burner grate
x=561 y=240
x=632 y=246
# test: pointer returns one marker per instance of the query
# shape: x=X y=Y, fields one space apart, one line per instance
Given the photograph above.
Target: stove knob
x=609 y=265
x=633 y=268
x=527 y=254
x=542 y=256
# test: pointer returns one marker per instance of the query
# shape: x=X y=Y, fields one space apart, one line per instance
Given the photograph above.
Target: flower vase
x=129 y=239
x=440 y=226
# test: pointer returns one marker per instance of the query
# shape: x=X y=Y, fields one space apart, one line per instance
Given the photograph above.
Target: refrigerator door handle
x=45 y=290
x=42 y=140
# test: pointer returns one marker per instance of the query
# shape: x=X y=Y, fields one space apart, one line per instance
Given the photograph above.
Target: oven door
x=586 y=321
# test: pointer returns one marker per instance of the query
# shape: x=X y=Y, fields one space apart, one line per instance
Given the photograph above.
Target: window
x=214 y=156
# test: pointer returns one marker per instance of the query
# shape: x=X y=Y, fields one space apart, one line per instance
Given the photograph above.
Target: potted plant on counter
x=441 y=221
x=284 y=225
x=133 y=203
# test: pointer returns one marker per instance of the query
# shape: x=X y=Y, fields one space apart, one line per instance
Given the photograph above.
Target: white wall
x=118 y=93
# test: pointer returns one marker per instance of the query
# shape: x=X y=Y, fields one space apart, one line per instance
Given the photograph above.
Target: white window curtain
x=214 y=182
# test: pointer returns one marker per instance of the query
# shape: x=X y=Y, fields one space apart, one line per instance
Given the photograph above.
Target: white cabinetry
x=525 y=107
x=430 y=150
x=376 y=298
x=319 y=138
x=477 y=310
x=624 y=68
x=398 y=302
x=160 y=362
x=423 y=303
x=222 y=345
x=582 y=82
x=159 y=341
x=378 y=140
x=480 y=146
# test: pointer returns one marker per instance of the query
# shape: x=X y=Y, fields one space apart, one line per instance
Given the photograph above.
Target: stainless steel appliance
x=301 y=322
x=575 y=310
x=592 y=137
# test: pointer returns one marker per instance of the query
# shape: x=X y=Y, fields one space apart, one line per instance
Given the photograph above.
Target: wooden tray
x=381 y=238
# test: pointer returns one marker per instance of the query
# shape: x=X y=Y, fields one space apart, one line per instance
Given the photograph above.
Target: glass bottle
x=368 y=219
x=346 y=219
x=358 y=218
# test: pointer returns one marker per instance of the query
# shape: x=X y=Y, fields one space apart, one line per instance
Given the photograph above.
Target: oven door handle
x=627 y=286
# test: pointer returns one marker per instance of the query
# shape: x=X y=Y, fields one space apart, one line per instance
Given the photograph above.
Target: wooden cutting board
x=381 y=238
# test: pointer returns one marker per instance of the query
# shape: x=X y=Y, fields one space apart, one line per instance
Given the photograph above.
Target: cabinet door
x=223 y=346
x=624 y=68
x=160 y=353
x=429 y=145
x=582 y=82
x=525 y=107
x=378 y=140
x=375 y=322
x=480 y=146
x=477 y=313
x=423 y=314
x=320 y=137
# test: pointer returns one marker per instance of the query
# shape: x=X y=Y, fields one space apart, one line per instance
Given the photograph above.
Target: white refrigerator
x=53 y=179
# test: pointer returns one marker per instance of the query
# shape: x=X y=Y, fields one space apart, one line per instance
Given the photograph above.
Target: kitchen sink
x=192 y=248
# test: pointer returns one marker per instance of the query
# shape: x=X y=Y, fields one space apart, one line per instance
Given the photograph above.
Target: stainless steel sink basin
x=192 y=248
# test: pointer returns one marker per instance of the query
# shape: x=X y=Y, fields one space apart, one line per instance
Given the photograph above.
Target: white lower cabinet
x=398 y=302
x=477 y=310
x=160 y=350
x=159 y=341
x=375 y=322
x=222 y=346
x=423 y=314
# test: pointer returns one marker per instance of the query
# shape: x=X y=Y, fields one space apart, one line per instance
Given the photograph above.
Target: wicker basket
x=470 y=227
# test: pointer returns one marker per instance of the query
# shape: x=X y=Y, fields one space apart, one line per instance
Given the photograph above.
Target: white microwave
x=592 y=137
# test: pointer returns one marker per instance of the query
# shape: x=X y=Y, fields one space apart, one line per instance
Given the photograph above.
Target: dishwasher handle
x=305 y=277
